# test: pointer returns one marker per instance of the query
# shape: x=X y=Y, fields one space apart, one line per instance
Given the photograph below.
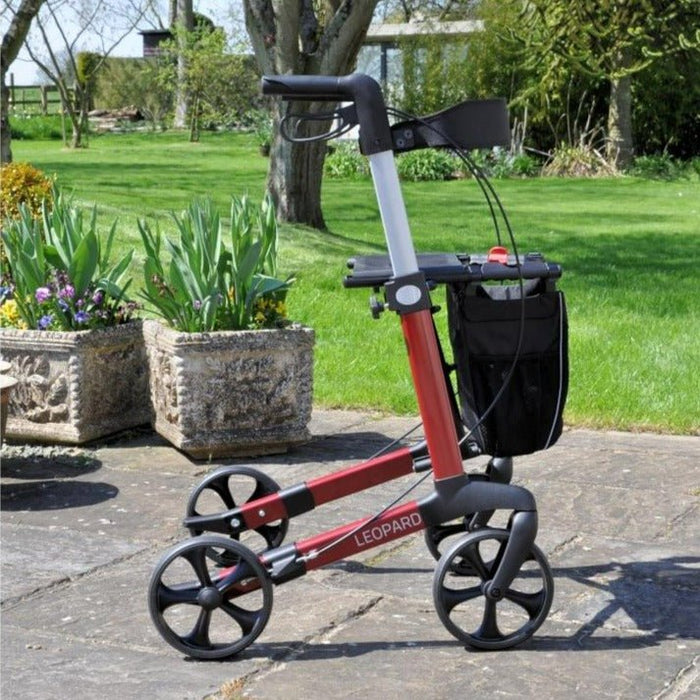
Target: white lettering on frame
x=377 y=533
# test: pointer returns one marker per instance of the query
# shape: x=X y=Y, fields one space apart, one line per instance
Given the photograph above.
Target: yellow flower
x=9 y=315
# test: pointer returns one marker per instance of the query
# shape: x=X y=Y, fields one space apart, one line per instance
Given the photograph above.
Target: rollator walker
x=211 y=596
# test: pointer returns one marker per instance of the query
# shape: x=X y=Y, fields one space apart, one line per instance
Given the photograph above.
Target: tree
x=611 y=40
x=220 y=86
x=12 y=42
x=313 y=38
x=98 y=24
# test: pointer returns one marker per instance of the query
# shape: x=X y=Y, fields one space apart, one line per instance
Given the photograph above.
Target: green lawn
x=629 y=249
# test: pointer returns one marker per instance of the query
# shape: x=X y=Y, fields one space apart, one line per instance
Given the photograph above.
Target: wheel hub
x=209 y=598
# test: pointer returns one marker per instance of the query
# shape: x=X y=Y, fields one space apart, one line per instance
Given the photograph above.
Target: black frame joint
x=408 y=293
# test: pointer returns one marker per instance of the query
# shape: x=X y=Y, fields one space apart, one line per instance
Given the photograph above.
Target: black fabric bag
x=484 y=323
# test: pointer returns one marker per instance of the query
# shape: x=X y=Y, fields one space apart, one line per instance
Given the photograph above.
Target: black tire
x=191 y=597
x=230 y=487
x=479 y=621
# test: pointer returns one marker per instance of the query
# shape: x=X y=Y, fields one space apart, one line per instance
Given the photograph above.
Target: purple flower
x=45 y=321
x=97 y=297
x=68 y=292
x=42 y=294
x=197 y=304
x=81 y=317
x=63 y=305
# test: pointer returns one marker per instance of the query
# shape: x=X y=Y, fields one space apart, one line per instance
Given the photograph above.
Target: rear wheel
x=230 y=487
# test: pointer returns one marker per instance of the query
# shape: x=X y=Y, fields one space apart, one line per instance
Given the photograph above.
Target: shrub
x=662 y=166
x=135 y=82
x=345 y=160
x=22 y=183
x=577 y=161
x=428 y=164
x=498 y=162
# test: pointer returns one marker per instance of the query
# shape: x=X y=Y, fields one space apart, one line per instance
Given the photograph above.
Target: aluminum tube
x=393 y=213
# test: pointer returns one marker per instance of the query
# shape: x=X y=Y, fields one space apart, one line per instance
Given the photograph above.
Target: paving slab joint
x=682 y=683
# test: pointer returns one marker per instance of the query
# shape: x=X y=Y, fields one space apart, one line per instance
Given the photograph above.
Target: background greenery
x=628 y=247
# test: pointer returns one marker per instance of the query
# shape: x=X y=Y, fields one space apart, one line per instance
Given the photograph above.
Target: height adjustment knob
x=376 y=307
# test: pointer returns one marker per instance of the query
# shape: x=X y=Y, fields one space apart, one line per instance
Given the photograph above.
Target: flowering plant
x=58 y=276
x=218 y=278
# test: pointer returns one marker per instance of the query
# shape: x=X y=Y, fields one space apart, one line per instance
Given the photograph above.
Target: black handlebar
x=299 y=87
x=375 y=135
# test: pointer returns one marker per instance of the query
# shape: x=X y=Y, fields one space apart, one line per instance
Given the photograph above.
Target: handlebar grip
x=312 y=87
x=363 y=91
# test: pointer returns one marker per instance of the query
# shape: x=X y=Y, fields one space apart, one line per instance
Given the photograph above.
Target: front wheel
x=204 y=609
x=469 y=614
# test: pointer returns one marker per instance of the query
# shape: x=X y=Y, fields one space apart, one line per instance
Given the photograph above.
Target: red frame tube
x=370 y=532
x=361 y=476
x=431 y=392
x=330 y=487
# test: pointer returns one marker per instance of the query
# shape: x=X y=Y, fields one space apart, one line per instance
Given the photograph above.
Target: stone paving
x=619 y=522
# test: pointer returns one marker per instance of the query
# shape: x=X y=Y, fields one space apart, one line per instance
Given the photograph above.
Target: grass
x=35 y=127
x=628 y=247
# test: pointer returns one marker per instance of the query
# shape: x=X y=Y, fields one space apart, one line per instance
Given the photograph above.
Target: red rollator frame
x=483 y=568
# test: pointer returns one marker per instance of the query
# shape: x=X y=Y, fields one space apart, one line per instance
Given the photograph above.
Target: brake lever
x=347 y=117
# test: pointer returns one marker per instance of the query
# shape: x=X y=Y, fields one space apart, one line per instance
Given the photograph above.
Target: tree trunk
x=620 y=145
x=12 y=42
x=185 y=23
x=289 y=37
x=5 y=132
x=295 y=175
x=76 y=140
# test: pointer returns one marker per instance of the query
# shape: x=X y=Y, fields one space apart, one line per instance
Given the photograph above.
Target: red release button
x=498 y=254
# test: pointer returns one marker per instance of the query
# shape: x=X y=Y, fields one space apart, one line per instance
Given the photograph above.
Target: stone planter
x=6 y=384
x=75 y=387
x=231 y=393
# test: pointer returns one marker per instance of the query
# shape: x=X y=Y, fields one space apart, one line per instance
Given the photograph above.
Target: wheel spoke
x=246 y=619
x=451 y=597
x=220 y=488
x=473 y=556
x=489 y=628
x=260 y=491
x=181 y=594
x=199 y=636
x=270 y=533
x=238 y=581
x=197 y=557
x=530 y=602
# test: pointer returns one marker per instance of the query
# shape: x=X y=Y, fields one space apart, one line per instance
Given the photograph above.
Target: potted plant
x=229 y=375
x=67 y=329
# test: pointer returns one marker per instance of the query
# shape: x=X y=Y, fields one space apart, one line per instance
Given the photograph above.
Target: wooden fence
x=34 y=99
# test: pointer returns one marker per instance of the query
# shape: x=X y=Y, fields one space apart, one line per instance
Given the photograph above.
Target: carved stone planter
x=6 y=384
x=75 y=387
x=231 y=393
